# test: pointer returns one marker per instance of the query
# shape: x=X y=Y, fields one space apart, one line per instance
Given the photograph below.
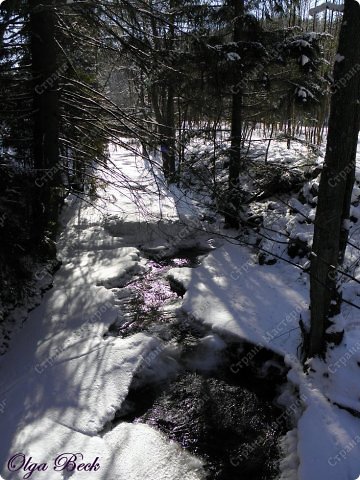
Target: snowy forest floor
x=63 y=378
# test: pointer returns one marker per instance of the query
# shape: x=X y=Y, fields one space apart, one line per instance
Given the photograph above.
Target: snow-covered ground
x=263 y=304
x=62 y=381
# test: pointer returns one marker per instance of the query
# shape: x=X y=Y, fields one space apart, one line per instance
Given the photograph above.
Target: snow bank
x=128 y=452
x=237 y=296
x=181 y=275
x=263 y=304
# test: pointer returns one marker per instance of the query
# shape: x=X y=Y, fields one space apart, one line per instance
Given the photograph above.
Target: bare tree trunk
x=163 y=103
x=268 y=146
x=231 y=216
x=337 y=178
x=46 y=110
x=169 y=135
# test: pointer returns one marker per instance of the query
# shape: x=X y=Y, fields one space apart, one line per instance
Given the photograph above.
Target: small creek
x=189 y=388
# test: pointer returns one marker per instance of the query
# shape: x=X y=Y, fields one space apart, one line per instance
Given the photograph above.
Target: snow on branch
x=327 y=5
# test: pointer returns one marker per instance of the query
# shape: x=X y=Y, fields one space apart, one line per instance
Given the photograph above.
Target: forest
x=179 y=248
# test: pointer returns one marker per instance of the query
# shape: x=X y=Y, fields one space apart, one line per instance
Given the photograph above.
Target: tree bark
x=170 y=128
x=163 y=102
x=169 y=134
x=233 y=204
x=337 y=178
x=46 y=110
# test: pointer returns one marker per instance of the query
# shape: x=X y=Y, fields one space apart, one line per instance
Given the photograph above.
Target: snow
x=61 y=381
x=232 y=56
x=263 y=304
x=243 y=307
x=181 y=275
x=290 y=462
x=128 y=452
x=303 y=94
x=346 y=224
x=304 y=60
x=159 y=458
x=339 y=58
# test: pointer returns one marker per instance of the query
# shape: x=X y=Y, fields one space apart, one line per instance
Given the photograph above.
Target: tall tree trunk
x=163 y=102
x=169 y=130
x=337 y=178
x=46 y=110
x=231 y=215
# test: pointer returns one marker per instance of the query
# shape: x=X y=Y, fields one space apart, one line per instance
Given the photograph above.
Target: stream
x=188 y=388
